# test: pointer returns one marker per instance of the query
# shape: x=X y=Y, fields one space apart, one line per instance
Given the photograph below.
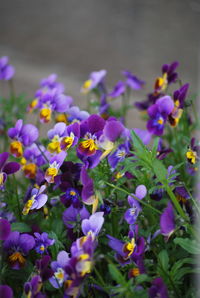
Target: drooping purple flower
x=87 y=194
x=93 y=225
x=51 y=83
x=6 y=168
x=5 y=229
x=17 y=246
x=58 y=266
x=73 y=215
x=76 y=114
x=7 y=71
x=42 y=266
x=167 y=221
x=33 y=287
x=158 y=289
x=42 y=242
x=158 y=114
x=6 y=291
x=132 y=81
x=94 y=80
x=131 y=214
x=36 y=200
x=118 y=90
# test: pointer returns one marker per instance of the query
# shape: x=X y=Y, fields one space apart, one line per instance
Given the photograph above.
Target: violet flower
x=42 y=242
x=54 y=165
x=94 y=80
x=131 y=214
x=51 y=83
x=22 y=135
x=6 y=168
x=7 y=71
x=87 y=194
x=74 y=113
x=158 y=114
x=17 y=246
x=71 y=137
x=93 y=225
x=58 y=266
x=33 y=288
x=36 y=201
x=55 y=135
x=167 y=221
x=118 y=156
x=71 y=216
x=132 y=81
x=6 y=291
x=118 y=90
x=158 y=289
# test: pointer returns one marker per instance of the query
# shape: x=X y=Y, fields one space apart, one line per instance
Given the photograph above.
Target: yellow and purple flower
x=54 y=165
x=58 y=268
x=36 y=201
x=94 y=80
x=42 y=242
x=6 y=168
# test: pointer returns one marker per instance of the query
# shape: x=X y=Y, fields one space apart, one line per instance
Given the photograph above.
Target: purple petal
x=3 y=157
x=11 y=167
x=165 y=104
x=42 y=199
x=95 y=123
x=29 y=134
x=6 y=291
x=167 y=221
x=113 y=130
x=63 y=258
x=5 y=229
x=140 y=191
x=144 y=135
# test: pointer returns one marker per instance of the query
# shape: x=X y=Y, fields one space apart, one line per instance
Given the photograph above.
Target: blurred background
x=73 y=38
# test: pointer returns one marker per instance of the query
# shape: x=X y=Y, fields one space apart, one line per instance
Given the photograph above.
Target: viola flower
x=93 y=225
x=144 y=135
x=87 y=194
x=6 y=168
x=169 y=76
x=69 y=177
x=162 y=152
x=5 y=229
x=71 y=197
x=43 y=269
x=73 y=215
x=42 y=242
x=51 y=83
x=55 y=135
x=94 y=80
x=193 y=152
x=158 y=289
x=132 y=81
x=54 y=165
x=72 y=136
x=58 y=267
x=6 y=291
x=33 y=287
x=118 y=90
x=179 y=98
x=167 y=221
x=158 y=114
x=118 y=156
x=17 y=246
x=37 y=200
x=75 y=114
x=7 y=71
x=22 y=135
x=131 y=214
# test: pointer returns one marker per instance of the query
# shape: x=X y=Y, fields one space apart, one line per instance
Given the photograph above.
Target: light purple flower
x=94 y=80
x=118 y=90
x=167 y=221
x=54 y=165
x=76 y=114
x=132 y=81
x=58 y=266
x=36 y=201
x=93 y=225
x=7 y=71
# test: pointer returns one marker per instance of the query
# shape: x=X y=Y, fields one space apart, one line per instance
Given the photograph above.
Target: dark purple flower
x=71 y=197
x=87 y=194
x=73 y=215
x=33 y=287
x=6 y=168
x=158 y=115
x=43 y=269
x=7 y=71
x=6 y=291
x=132 y=81
x=5 y=229
x=167 y=221
x=158 y=289
x=17 y=247
x=42 y=242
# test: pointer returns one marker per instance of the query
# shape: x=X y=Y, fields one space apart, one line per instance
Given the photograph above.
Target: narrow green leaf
x=191 y=246
x=21 y=227
x=164 y=259
x=159 y=170
x=116 y=274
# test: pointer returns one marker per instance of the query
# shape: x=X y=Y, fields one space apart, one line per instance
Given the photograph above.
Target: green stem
x=42 y=152
x=17 y=196
x=132 y=195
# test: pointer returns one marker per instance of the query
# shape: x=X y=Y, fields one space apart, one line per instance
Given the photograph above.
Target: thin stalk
x=132 y=195
x=17 y=196
x=42 y=152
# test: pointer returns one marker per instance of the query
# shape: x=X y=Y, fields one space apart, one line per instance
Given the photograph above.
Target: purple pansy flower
x=118 y=90
x=36 y=201
x=6 y=168
x=93 y=225
x=42 y=242
x=5 y=229
x=73 y=215
x=71 y=137
x=131 y=214
x=54 y=165
x=71 y=197
x=94 y=80
x=158 y=114
x=43 y=269
x=167 y=221
x=144 y=135
x=87 y=194
x=51 y=83
x=58 y=266
x=7 y=71
x=118 y=156
x=6 y=291
x=132 y=81
x=17 y=247
x=33 y=287
x=76 y=114
x=158 y=289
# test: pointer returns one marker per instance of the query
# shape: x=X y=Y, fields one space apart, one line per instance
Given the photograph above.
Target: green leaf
x=159 y=170
x=191 y=246
x=180 y=263
x=21 y=227
x=155 y=147
x=184 y=271
x=142 y=278
x=164 y=259
x=116 y=274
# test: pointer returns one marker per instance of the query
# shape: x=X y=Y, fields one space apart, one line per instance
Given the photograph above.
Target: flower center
x=67 y=142
x=45 y=115
x=16 y=149
x=59 y=274
x=89 y=144
x=17 y=257
x=129 y=247
x=30 y=170
x=28 y=205
x=191 y=156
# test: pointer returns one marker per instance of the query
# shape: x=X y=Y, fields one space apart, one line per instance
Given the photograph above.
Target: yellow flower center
x=67 y=142
x=191 y=156
x=87 y=84
x=61 y=118
x=160 y=121
x=54 y=147
x=72 y=193
x=161 y=82
x=32 y=105
x=16 y=149
x=23 y=161
x=135 y=272
x=45 y=114
x=30 y=170
x=17 y=257
x=90 y=144
x=129 y=247
x=28 y=206
x=1 y=179
x=59 y=274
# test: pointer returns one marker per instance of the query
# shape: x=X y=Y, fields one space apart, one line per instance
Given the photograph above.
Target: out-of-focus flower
x=167 y=221
x=33 y=288
x=87 y=194
x=6 y=168
x=7 y=71
x=43 y=269
x=36 y=201
x=93 y=225
x=118 y=90
x=118 y=156
x=132 y=81
x=158 y=289
x=6 y=291
x=94 y=80
x=17 y=246
x=5 y=229
x=72 y=216
x=158 y=114
x=22 y=135
x=193 y=152
x=42 y=242
x=75 y=114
